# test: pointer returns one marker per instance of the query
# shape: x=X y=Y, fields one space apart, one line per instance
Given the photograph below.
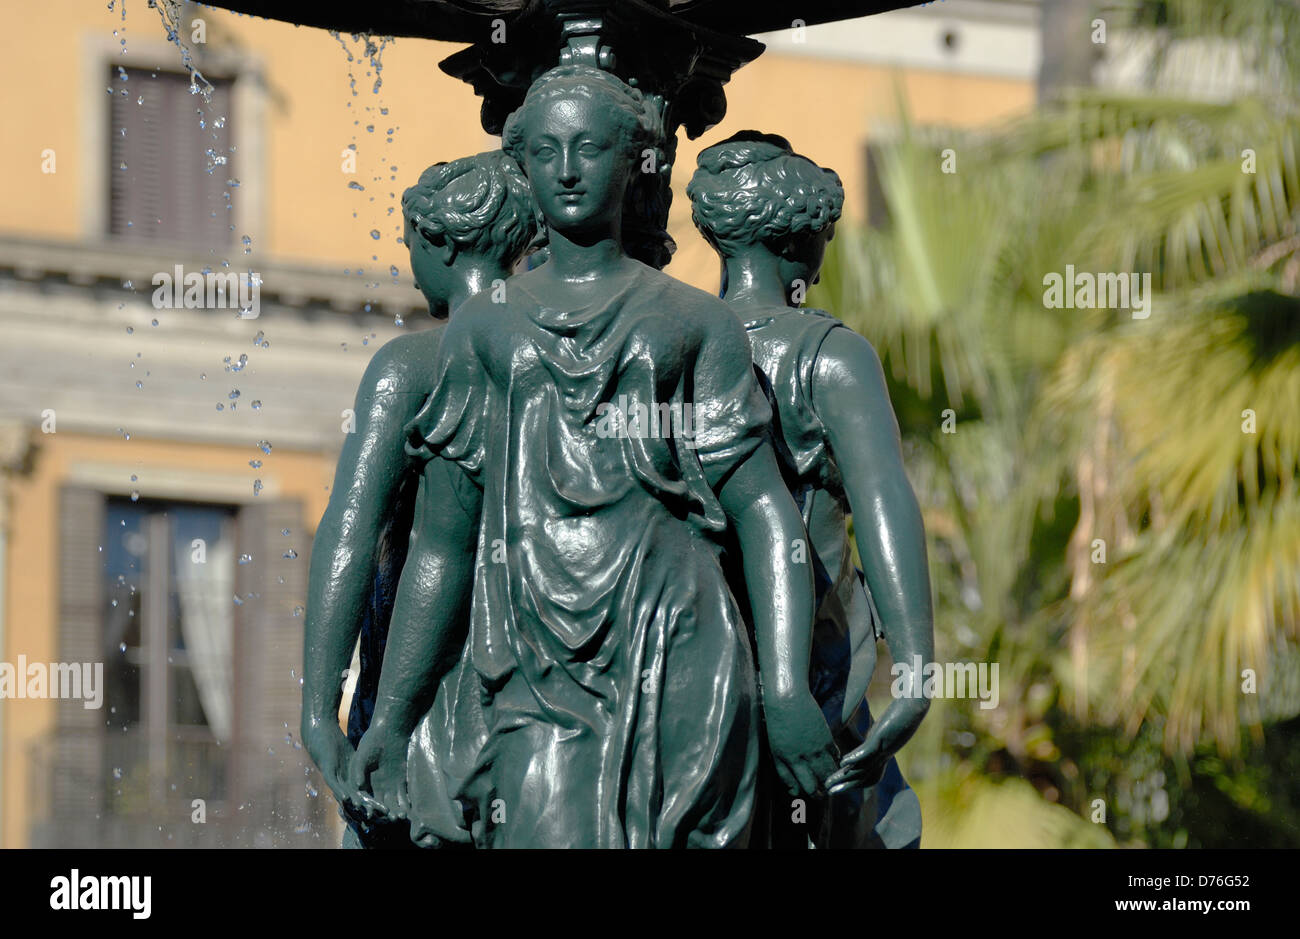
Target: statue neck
x=475 y=277
x=755 y=280
x=584 y=259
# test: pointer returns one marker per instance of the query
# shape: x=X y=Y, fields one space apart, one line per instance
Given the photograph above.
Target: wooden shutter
x=165 y=193
x=75 y=759
x=271 y=772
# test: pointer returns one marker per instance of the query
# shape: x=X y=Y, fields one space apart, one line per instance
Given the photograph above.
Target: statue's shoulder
x=818 y=315
x=797 y=326
x=482 y=316
x=685 y=305
x=402 y=365
x=844 y=352
x=486 y=302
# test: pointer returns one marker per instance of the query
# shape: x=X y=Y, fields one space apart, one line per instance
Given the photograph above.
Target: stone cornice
x=285 y=284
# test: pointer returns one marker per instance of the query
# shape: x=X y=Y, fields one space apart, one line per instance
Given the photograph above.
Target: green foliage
x=1116 y=518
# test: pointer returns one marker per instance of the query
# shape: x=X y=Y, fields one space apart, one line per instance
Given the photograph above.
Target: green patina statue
x=570 y=522
x=769 y=213
x=563 y=608
x=467 y=223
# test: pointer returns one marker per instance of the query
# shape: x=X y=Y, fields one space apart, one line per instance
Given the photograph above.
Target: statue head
x=580 y=136
x=473 y=213
x=754 y=194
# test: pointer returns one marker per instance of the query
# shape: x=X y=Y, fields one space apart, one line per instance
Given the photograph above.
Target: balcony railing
x=116 y=790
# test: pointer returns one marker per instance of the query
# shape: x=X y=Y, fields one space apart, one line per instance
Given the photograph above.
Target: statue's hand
x=378 y=772
x=863 y=767
x=802 y=747
x=331 y=751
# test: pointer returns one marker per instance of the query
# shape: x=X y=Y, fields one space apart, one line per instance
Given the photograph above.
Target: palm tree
x=1112 y=501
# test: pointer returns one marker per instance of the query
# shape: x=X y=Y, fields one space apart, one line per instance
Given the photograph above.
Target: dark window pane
x=126 y=558
x=186 y=706
x=122 y=689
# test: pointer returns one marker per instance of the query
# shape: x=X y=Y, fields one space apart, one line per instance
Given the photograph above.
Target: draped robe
x=606 y=696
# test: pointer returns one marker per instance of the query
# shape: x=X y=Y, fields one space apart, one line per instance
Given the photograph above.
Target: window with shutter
x=170 y=159
x=195 y=611
x=168 y=630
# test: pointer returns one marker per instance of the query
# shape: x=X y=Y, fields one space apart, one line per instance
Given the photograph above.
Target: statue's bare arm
x=370 y=470
x=427 y=635
x=769 y=530
x=770 y=534
x=852 y=400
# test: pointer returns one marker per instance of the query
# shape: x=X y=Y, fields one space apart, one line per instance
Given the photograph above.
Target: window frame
x=242 y=67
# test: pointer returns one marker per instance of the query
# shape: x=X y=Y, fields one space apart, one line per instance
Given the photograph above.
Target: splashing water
x=171 y=12
x=373 y=50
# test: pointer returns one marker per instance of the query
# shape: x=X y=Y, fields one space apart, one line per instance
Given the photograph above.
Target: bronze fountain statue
x=770 y=213
x=591 y=532
x=467 y=223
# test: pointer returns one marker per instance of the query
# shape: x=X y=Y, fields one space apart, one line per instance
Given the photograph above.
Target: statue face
x=576 y=165
x=433 y=274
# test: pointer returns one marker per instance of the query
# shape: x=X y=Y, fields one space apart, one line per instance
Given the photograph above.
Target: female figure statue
x=588 y=442
x=467 y=223
x=770 y=213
